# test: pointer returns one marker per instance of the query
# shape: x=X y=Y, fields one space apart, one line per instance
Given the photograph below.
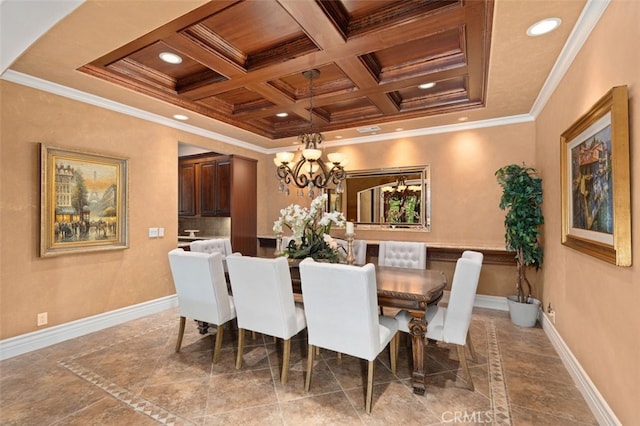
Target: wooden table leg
x=418 y=328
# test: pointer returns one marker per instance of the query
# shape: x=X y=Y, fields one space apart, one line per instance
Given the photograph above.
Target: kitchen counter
x=199 y=237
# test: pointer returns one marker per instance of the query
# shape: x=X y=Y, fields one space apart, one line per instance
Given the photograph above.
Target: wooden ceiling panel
x=356 y=18
x=349 y=110
x=421 y=57
x=331 y=81
x=243 y=63
x=253 y=34
x=444 y=94
x=240 y=100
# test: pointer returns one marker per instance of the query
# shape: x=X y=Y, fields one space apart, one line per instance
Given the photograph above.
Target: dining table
x=410 y=289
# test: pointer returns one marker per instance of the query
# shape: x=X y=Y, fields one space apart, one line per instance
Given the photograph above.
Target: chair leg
x=465 y=368
x=393 y=351
x=286 y=354
x=180 y=333
x=219 y=337
x=307 y=381
x=369 y=399
x=472 y=350
x=240 y=346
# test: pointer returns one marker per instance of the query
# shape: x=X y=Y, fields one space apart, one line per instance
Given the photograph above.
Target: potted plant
x=310 y=231
x=521 y=199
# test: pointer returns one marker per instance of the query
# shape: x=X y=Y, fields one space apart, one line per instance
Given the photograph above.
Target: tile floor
x=131 y=375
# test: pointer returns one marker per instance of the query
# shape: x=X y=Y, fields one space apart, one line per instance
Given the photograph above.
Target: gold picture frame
x=596 y=194
x=83 y=205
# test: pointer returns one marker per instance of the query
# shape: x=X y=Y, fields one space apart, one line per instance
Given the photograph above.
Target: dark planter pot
x=523 y=314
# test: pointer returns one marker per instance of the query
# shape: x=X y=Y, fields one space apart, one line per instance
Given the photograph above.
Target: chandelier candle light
x=310 y=171
x=350 y=235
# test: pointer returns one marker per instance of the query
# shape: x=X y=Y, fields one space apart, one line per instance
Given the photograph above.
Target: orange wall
x=595 y=302
x=464 y=192
x=464 y=210
x=76 y=286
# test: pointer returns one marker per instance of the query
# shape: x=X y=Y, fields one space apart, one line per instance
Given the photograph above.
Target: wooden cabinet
x=186 y=189
x=215 y=187
x=221 y=186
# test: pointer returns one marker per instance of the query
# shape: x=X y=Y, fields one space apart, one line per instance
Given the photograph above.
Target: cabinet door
x=187 y=189
x=208 y=188
x=223 y=187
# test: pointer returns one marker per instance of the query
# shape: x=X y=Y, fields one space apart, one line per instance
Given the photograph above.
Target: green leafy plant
x=521 y=199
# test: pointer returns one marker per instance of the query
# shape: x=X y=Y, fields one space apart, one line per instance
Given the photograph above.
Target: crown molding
x=78 y=95
x=587 y=21
x=449 y=128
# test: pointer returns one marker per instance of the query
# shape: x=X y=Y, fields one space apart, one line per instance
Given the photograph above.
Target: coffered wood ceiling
x=249 y=57
x=243 y=62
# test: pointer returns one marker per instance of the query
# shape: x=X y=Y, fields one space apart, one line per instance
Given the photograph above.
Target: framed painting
x=596 y=209
x=83 y=204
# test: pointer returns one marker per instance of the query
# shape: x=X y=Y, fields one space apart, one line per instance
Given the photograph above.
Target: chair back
x=341 y=306
x=201 y=286
x=402 y=254
x=463 y=291
x=220 y=245
x=359 y=250
x=475 y=255
x=263 y=295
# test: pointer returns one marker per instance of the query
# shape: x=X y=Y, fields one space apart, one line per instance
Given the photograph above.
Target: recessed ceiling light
x=338 y=137
x=463 y=118
x=180 y=117
x=282 y=114
x=399 y=129
x=427 y=85
x=170 y=58
x=543 y=27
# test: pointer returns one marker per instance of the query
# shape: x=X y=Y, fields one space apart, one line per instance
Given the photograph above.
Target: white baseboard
x=491 y=302
x=594 y=399
x=50 y=336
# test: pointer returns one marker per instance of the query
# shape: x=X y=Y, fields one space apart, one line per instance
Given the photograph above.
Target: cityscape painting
x=84 y=199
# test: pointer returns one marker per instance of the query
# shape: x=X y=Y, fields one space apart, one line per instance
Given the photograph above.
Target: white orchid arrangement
x=310 y=230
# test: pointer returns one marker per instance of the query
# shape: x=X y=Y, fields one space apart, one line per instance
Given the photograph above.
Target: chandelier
x=310 y=171
x=401 y=187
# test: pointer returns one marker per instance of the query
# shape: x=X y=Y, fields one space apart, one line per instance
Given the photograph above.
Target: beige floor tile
x=131 y=374
x=328 y=409
x=245 y=389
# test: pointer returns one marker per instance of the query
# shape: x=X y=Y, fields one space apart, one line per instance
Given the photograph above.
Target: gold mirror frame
x=418 y=175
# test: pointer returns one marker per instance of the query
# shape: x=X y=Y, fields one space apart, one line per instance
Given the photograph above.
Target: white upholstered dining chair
x=402 y=254
x=341 y=305
x=263 y=296
x=213 y=245
x=451 y=324
x=475 y=255
x=202 y=292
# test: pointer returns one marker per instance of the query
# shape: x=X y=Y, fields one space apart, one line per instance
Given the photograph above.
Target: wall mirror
x=393 y=198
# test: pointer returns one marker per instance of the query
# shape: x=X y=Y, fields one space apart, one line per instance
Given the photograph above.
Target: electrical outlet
x=552 y=315
x=153 y=232
x=160 y=232
x=42 y=319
